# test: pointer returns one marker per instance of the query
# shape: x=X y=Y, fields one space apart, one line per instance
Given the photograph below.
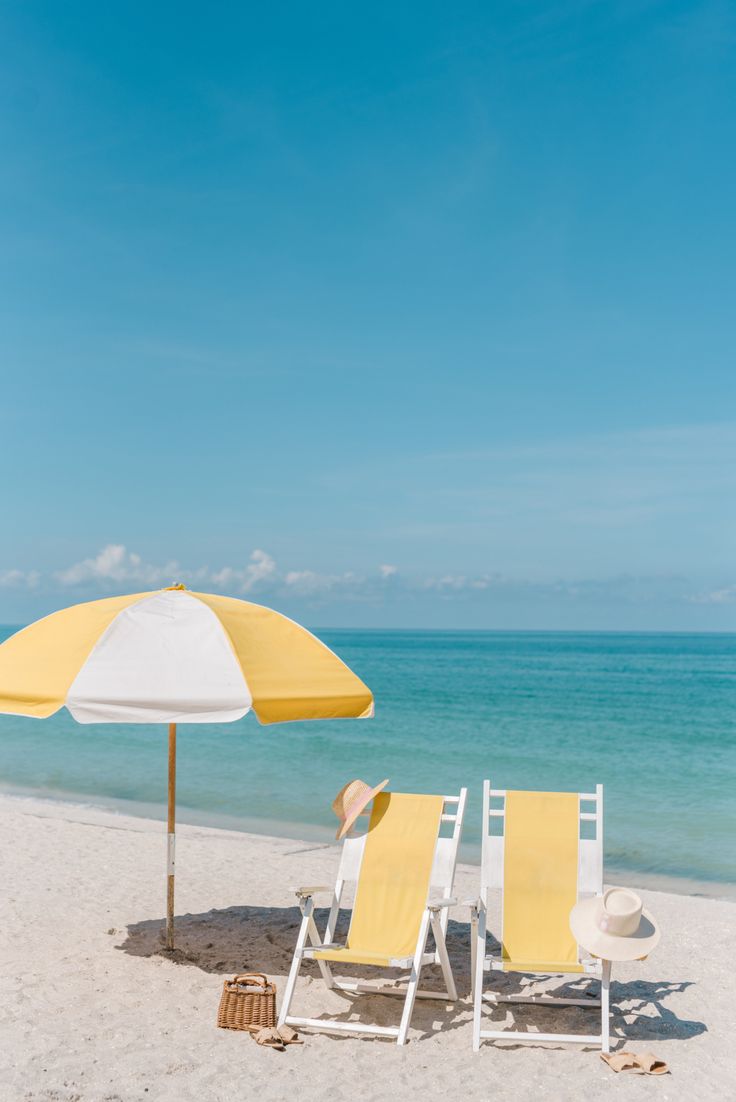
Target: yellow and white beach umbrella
x=175 y=656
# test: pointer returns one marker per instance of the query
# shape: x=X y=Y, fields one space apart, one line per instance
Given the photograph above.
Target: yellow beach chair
x=398 y=866
x=547 y=856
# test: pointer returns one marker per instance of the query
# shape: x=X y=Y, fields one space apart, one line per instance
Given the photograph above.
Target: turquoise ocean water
x=652 y=717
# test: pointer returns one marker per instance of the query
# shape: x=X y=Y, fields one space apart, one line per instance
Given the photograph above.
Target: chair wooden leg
x=411 y=990
x=439 y=940
x=605 y=1017
x=296 y=963
x=325 y=970
x=473 y=947
x=480 y=956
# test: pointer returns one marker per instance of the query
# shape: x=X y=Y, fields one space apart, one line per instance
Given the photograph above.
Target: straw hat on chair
x=351 y=800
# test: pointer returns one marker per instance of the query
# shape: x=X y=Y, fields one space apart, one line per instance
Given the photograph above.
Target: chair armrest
x=474 y=904
x=312 y=889
x=440 y=903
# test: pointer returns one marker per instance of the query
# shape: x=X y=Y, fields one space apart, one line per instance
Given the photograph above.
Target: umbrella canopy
x=173 y=656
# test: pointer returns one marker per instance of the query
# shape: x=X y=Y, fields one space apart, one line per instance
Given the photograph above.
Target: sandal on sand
x=288 y=1035
x=642 y=1063
x=270 y=1038
x=277 y=1038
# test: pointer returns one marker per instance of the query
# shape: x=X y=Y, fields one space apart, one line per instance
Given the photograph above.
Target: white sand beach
x=93 y=1011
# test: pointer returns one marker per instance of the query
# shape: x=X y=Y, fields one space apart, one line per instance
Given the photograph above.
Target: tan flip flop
x=288 y=1035
x=642 y=1063
x=269 y=1037
x=277 y=1038
x=650 y=1065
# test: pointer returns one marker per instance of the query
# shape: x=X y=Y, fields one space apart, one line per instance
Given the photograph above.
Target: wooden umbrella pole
x=171 y=839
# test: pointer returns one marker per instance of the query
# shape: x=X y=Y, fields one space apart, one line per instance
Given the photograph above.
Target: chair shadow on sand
x=262 y=939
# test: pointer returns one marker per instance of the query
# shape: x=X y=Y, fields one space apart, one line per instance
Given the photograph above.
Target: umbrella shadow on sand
x=235 y=939
x=262 y=939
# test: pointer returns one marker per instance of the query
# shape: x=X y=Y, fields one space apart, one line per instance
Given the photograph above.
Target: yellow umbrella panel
x=173 y=656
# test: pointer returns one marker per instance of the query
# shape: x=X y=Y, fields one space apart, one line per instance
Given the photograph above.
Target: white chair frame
x=590 y=882
x=435 y=916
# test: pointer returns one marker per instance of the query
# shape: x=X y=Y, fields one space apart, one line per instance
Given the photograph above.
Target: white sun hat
x=614 y=926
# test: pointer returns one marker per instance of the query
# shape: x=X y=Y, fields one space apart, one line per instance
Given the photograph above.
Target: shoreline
x=82 y=808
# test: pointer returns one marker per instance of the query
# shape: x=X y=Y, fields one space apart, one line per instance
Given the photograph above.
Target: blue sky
x=393 y=316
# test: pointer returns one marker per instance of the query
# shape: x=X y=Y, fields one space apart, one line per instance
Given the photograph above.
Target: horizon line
x=481 y=631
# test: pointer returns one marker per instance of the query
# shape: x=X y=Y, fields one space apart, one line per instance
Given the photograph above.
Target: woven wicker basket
x=248 y=1002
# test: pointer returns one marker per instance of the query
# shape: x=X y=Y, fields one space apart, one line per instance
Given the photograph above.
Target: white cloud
x=311 y=583
x=447 y=581
x=116 y=567
x=620 y=589
x=260 y=569
x=462 y=581
x=115 y=563
x=302 y=579
x=724 y=596
x=18 y=579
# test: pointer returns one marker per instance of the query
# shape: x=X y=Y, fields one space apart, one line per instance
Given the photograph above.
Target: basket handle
x=256 y=978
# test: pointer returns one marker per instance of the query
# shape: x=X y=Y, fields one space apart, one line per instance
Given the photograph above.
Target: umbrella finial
x=171 y=588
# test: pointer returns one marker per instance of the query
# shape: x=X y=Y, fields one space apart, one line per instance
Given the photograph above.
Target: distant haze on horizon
x=415 y=317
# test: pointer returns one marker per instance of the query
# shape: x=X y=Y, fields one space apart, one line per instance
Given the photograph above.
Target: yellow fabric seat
x=551 y=966
x=395 y=876
x=540 y=882
x=343 y=955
